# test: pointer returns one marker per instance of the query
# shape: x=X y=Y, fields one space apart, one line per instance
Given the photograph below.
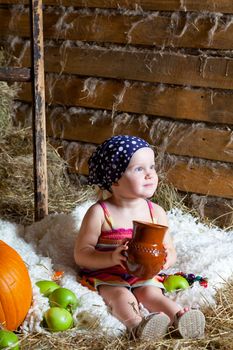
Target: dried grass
x=7 y=95
x=168 y=197
x=219 y=334
x=16 y=173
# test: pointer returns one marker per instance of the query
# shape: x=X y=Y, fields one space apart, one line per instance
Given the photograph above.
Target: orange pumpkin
x=15 y=288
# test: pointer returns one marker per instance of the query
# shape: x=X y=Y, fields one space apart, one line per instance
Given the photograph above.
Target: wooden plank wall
x=162 y=70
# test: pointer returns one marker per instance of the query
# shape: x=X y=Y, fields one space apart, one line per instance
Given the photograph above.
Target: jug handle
x=125 y=242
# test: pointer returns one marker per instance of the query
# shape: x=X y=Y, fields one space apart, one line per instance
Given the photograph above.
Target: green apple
x=175 y=282
x=47 y=287
x=8 y=340
x=65 y=298
x=58 y=319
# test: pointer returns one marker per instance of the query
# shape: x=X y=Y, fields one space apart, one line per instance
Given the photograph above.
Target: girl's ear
x=115 y=184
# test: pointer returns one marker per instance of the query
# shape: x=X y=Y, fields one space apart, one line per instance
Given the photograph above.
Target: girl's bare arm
x=85 y=254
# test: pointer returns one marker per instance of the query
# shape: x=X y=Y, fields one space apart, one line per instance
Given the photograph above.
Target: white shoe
x=152 y=327
x=191 y=324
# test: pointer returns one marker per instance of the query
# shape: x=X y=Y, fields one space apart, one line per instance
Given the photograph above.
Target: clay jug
x=146 y=254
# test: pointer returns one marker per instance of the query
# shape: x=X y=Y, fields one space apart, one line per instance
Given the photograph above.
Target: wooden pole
x=38 y=110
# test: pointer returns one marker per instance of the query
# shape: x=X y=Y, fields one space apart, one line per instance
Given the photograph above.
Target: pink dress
x=115 y=275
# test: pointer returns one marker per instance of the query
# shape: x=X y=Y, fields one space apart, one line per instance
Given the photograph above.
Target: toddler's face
x=140 y=178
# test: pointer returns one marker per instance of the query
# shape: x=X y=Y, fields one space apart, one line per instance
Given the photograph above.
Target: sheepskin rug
x=47 y=246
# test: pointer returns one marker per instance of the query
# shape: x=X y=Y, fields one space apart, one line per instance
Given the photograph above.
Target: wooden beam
x=203 y=177
x=212 y=106
x=39 y=123
x=215 y=208
x=167 y=67
x=150 y=30
x=11 y=74
x=224 y=6
x=177 y=138
x=218 y=210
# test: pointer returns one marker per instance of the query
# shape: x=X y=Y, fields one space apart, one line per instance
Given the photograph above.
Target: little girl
x=125 y=167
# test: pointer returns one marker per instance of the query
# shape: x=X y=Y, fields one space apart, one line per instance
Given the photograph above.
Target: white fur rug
x=47 y=246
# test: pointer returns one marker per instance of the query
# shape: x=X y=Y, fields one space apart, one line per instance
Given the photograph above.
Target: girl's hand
x=170 y=256
x=118 y=256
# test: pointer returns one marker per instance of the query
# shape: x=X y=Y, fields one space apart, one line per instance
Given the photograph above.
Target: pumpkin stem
x=1 y=325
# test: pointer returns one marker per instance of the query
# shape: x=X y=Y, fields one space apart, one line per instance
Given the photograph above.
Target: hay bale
x=16 y=172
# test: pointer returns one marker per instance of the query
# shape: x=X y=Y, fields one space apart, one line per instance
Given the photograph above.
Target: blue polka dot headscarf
x=111 y=158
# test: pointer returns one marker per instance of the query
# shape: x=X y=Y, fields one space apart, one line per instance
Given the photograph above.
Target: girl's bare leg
x=153 y=300
x=123 y=304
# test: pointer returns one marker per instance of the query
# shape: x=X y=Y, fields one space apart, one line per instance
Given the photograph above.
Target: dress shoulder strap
x=152 y=214
x=107 y=215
